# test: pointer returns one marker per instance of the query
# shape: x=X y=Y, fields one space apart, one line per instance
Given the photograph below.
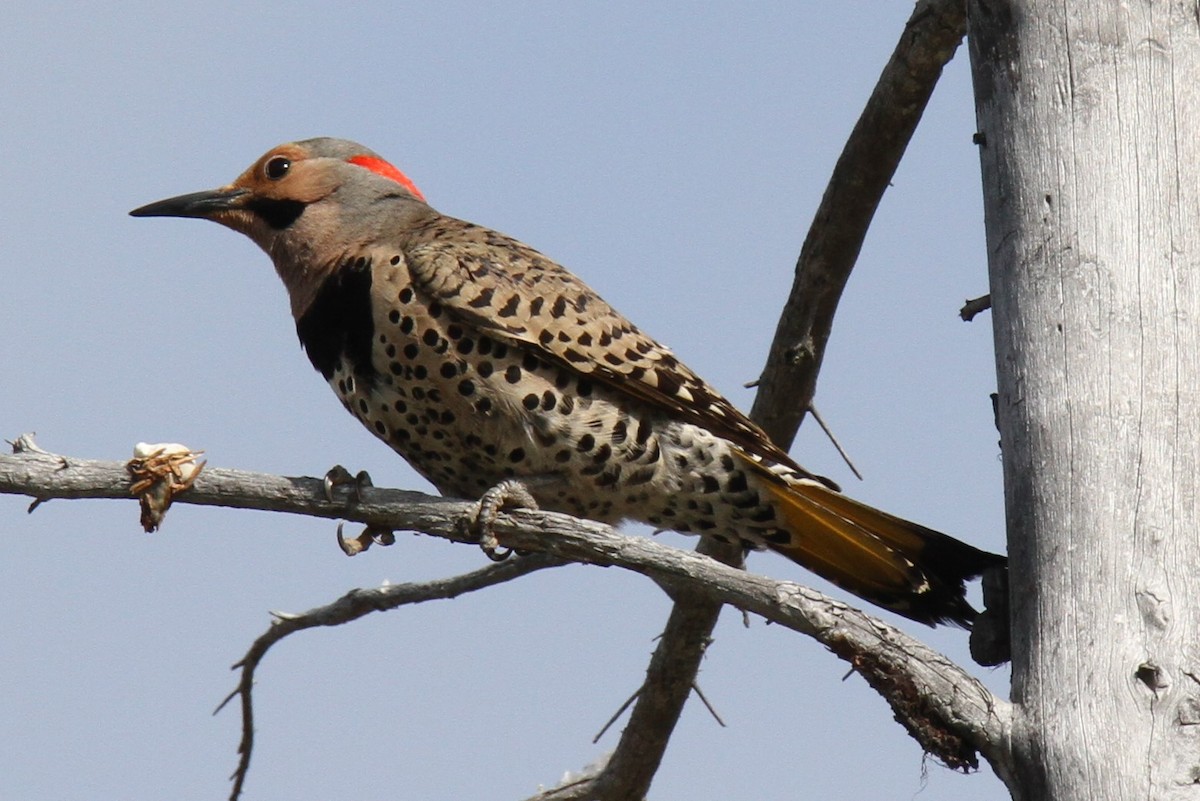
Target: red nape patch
x=381 y=167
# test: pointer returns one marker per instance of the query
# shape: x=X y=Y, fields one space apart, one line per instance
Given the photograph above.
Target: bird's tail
x=907 y=568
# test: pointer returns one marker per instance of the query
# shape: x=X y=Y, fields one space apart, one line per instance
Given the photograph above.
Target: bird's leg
x=511 y=493
x=371 y=535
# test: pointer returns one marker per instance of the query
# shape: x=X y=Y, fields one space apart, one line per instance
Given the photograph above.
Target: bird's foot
x=339 y=476
x=508 y=494
x=371 y=535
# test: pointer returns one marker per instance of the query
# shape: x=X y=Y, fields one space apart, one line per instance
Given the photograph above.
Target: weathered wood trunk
x=1089 y=120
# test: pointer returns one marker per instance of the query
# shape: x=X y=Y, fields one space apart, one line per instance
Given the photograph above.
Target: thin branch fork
x=954 y=713
x=351 y=606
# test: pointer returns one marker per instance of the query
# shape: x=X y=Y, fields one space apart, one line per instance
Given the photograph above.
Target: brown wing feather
x=515 y=293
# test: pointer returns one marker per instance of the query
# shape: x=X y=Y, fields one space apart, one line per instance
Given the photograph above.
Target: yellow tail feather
x=912 y=570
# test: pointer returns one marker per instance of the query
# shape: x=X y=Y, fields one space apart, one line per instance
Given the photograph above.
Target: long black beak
x=197 y=204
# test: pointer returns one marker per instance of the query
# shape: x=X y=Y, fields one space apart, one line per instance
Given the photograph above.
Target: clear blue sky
x=672 y=155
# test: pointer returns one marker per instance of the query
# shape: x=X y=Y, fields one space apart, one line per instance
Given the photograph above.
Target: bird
x=485 y=364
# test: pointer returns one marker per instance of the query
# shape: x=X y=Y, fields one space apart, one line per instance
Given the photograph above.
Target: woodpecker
x=482 y=362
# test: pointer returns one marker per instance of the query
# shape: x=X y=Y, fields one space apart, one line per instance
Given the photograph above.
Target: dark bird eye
x=278 y=167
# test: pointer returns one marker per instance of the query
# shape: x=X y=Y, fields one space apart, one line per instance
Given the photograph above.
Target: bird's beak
x=204 y=205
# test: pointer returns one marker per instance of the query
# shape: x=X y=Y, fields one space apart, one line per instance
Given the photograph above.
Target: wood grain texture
x=1088 y=116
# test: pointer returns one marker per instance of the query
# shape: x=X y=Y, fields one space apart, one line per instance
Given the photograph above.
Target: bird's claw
x=339 y=476
x=369 y=536
x=508 y=494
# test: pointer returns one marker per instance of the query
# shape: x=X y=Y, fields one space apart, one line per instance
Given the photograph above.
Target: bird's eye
x=277 y=167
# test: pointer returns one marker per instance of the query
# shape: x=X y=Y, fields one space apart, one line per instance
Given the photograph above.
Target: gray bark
x=1089 y=120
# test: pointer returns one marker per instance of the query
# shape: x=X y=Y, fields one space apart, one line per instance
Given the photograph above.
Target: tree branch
x=951 y=712
x=788 y=381
x=351 y=606
x=669 y=679
x=863 y=171
x=973 y=306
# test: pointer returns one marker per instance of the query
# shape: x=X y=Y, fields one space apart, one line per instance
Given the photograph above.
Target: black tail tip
x=944 y=601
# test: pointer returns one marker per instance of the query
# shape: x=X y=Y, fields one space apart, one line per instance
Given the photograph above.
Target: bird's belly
x=583 y=449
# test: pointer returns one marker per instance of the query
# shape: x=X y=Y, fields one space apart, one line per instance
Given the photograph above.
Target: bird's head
x=309 y=205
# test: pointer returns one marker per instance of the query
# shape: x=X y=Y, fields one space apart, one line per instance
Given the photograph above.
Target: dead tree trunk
x=1089 y=133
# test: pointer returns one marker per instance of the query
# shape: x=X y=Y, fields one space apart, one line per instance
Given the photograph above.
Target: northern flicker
x=481 y=361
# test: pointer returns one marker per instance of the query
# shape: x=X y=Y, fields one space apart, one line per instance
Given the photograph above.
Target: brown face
x=272 y=193
x=286 y=173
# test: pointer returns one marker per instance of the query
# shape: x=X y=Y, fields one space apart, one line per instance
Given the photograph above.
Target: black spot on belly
x=764 y=514
x=339 y=323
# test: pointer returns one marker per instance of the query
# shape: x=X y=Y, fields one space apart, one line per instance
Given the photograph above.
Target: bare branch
x=863 y=171
x=351 y=606
x=834 y=441
x=669 y=679
x=974 y=306
x=788 y=381
x=580 y=787
x=615 y=715
x=712 y=710
x=955 y=713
